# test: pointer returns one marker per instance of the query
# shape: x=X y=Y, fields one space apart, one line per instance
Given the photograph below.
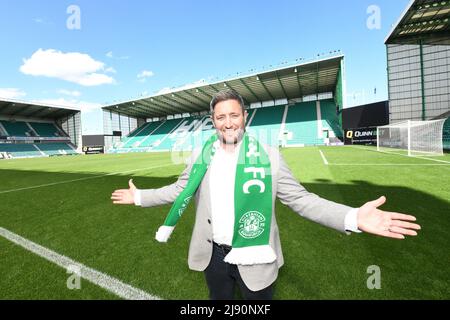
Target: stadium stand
x=266 y=122
x=28 y=129
x=330 y=120
x=24 y=150
x=52 y=149
x=45 y=129
x=298 y=104
x=16 y=137
x=303 y=123
x=166 y=134
x=18 y=129
x=139 y=135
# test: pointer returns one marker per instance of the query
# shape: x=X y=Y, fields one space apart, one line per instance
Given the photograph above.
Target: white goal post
x=415 y=137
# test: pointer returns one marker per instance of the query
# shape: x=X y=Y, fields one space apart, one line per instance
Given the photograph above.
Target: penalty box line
x=81 y=179
x=390 y=164
x=403 y=155
x=325 y=161
x=100 y=279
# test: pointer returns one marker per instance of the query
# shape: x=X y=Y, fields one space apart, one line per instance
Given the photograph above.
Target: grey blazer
x=284 y=186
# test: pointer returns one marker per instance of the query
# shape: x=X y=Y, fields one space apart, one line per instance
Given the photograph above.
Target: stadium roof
x=426 y=21
x=288 y=82
x=15 y=108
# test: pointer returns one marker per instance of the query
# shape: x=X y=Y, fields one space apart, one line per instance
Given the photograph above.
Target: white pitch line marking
x=81 y=179
x=100 y=279
x=389 y=164
x=323 y=158
x=418 y=157
x=404 y=155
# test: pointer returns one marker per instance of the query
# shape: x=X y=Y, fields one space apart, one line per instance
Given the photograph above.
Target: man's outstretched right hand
x=124 y=196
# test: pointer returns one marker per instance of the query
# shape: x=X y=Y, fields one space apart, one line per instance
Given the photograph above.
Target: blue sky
x=125 y=49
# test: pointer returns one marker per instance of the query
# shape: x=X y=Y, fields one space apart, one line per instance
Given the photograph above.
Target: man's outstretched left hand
x=385 y=223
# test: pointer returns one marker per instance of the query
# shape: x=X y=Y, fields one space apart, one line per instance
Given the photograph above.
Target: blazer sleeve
x=167 y=194
x=307 y=204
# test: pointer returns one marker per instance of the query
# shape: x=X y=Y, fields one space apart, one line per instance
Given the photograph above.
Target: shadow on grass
x=78 y=220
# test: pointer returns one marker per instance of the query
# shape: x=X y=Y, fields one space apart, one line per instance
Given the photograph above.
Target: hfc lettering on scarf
x=252 y=152
x=252 y=149
x=255 y=182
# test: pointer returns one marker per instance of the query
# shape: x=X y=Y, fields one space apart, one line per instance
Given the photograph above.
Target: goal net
x=412 y=137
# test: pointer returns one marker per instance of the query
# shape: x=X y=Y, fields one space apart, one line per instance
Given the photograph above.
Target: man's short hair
x=224 y=95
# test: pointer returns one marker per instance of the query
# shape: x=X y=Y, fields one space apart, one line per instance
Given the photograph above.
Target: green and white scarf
x=252 y=202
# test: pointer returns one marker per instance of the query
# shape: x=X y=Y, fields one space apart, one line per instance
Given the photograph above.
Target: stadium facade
x=418 y=62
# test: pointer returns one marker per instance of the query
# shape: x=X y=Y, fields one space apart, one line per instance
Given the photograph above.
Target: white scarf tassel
x=251 y=255
x=163 y=233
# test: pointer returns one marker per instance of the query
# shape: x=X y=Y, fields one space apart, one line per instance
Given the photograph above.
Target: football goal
x=416 y=138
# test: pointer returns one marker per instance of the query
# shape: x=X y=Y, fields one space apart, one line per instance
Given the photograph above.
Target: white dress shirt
x=222 y=177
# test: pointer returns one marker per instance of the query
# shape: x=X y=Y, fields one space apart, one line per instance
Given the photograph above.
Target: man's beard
x=235 y=140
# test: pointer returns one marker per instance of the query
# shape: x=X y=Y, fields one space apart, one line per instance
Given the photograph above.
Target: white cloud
x=74 y=67
x=74 y=93
x=11 y=93
x=111 y=70
x=71 y=104
x=110 y=55
x=144 y=74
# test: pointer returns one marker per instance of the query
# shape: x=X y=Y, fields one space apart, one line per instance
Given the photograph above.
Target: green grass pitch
x=63 y=203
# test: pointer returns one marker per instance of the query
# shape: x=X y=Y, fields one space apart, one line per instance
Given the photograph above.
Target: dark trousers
x=223 y=277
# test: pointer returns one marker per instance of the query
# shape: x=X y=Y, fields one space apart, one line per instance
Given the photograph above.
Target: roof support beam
x=153 y=105
x=282 y=87
x=167 y=101
x=317 y=81
x=142 y=109
x=205 y=94
x=197 y=97
x=267 y=90
x=251 y=91
x=214 y=88
x=4 y=108
x=300 y=89
x=196 y=107
x=157 y=105
x=243 y=98
x=35 y=112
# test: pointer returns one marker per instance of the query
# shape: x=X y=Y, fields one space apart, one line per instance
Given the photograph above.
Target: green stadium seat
x=330 y=119
x=265 y=123
x=139 y=135
x=17 y=129
x=45 y=129
x=301 y=121
x=52 y=149
x=160 y=133
x=22 y=150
